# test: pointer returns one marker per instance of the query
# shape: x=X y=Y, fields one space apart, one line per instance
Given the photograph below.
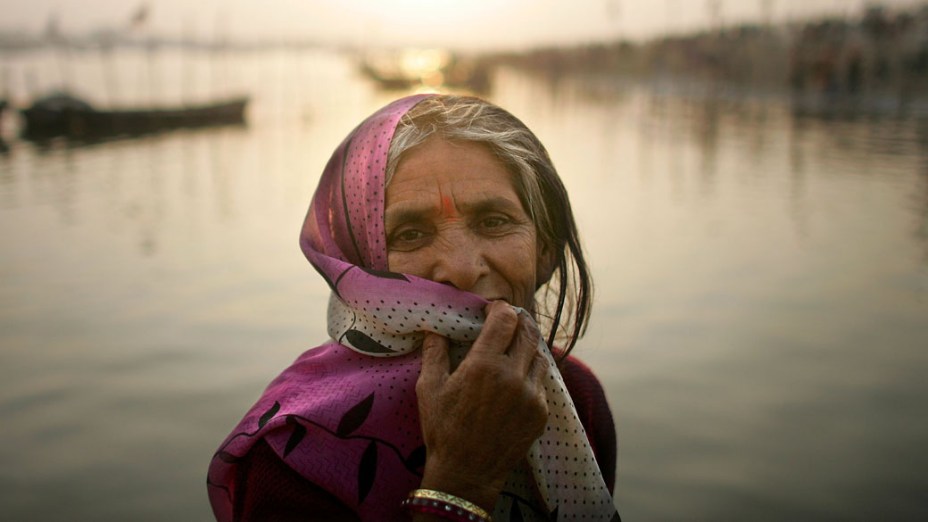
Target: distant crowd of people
x=881 y=53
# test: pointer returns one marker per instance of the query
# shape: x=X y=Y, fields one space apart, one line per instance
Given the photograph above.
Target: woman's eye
x=494 y=223
x=408 y=235
x=406 y=238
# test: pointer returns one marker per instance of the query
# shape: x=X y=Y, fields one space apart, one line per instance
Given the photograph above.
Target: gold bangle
x=448 y=500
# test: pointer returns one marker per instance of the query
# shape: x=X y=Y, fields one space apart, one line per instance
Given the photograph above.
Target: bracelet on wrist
x=431 y=502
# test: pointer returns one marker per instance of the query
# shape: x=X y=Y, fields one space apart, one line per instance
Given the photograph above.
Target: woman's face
x=453 y=216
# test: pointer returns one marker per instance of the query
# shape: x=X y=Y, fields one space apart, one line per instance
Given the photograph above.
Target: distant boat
x=61 y=114
x=430 y=68
x=4 y=148
x=391 y=80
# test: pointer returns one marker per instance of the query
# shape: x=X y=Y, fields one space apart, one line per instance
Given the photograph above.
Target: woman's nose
x=460 y=262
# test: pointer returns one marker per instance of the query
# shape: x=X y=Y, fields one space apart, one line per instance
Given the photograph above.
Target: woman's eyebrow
x=406 y=213
x=490 y=204
x=410 y=212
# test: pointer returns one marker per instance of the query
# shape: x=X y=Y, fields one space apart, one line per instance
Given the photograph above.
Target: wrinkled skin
x=453 y=216
x=479 y=422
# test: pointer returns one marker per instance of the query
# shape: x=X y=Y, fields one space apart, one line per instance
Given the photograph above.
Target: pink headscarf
x=345 y=415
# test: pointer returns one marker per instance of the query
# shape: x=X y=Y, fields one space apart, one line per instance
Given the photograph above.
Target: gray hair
x=536 y=181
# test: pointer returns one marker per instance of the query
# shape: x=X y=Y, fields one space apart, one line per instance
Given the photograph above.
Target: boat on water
x=64 y=115
x=424 y=68
x=4 y=148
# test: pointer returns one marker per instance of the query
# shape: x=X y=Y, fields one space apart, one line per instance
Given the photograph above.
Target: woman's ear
x=547 y=261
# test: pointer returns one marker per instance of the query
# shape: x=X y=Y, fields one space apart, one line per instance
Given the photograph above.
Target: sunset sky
x=456 y=23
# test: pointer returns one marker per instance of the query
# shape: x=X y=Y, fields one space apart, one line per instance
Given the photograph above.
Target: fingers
x=537 y=375
x=435 y=361
x=524 y=348
x=511 y=331
x=498 y=329
x=538 y=370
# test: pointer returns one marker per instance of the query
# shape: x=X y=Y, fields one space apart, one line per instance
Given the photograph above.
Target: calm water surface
x=761 y=313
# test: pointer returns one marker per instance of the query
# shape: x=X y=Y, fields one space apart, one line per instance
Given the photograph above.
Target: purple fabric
x=344 y=421
x=345 y=219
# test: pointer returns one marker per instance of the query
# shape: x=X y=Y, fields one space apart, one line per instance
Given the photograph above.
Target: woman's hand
x=480 y=421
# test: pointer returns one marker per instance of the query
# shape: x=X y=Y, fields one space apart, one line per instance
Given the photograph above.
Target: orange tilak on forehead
x=448 y=209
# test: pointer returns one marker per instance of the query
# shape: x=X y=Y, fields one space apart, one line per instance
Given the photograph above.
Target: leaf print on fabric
x=228 y=457
x=364 y=343
x=299 y=431
x=416 y=459
x=367 y=471
x=269 y=414
x=355 y=417
x=385 y=274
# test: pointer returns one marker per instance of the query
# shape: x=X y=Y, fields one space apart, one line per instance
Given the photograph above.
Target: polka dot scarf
x=344 y=415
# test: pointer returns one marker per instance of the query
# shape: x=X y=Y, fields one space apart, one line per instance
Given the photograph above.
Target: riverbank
x=880 y=55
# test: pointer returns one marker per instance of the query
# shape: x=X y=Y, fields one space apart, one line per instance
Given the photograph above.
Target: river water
x=761 y=316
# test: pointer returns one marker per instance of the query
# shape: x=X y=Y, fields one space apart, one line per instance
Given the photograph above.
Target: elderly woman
x=436 y=224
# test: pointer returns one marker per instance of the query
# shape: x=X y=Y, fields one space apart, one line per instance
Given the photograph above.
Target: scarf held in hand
x=344 y=415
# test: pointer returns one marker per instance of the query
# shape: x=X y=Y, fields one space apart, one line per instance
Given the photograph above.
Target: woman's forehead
x=439 y=173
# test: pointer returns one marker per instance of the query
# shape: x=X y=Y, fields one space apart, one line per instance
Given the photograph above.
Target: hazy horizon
x=475 y=24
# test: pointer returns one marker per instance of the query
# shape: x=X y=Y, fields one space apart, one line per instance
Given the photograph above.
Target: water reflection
x=785 y=238
x=758 y=273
